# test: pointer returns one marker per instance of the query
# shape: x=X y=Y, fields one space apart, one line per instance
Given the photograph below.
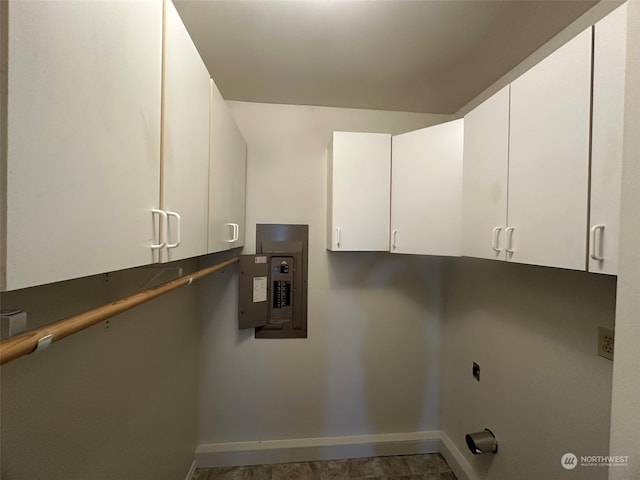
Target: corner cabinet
x=426 y=190
x=606 y=141
x=185 y=144
x=80 y=161
x=526 y=164
x=227 y=178
x=358 y=191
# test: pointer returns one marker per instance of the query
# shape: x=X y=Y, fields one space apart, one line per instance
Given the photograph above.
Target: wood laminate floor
x=403 y=467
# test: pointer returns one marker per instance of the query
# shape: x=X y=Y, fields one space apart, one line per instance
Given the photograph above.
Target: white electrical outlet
x=605 y=342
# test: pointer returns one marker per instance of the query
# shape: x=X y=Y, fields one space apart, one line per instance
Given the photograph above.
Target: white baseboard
x=333 y=448
x=310 y=449
x=192 y=470
x=454 y=458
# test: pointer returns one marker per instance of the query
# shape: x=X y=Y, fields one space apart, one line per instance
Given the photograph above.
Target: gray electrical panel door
x=253 y=294
x=273 y=282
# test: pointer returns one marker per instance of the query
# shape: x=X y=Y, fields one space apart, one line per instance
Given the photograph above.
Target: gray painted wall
x=543 y=390
x=116 y=403
x=625 y=419
x=371 y=363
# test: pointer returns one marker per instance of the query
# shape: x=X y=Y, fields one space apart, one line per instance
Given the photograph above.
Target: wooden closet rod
x=29 y=342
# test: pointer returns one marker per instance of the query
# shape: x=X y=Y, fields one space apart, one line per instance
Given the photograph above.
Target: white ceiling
x=421 y=56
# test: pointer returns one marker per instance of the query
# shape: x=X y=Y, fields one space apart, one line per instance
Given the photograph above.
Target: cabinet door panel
x=220 y=175
x=83 y=149
x=239 y=186
x=227 y=178
x=359 y=175
x=606 y=148
x=426 y=190
x=185 y=157
x=549 y=158
x=486 y=157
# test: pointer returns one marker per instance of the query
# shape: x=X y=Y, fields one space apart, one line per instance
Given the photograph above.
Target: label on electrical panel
x=261 y=259
x=259 y=289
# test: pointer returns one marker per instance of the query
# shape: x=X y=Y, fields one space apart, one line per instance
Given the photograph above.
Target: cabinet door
x=239 y=187
x=227 y=178
x=486 y=157
x=221 y=231
x=549 y=159
x=606 y=138
x=426 y=190
x=185 y=153
x=83 y=139
x=359 y=185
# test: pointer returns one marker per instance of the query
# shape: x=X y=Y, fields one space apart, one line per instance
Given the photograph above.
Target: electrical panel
x=273 y=282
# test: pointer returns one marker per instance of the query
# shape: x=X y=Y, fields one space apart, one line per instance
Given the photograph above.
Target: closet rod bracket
x=44 y=342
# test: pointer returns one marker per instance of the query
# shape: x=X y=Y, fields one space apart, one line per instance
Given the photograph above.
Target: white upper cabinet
x=549 y=159
x=227 y=178
x=185 y=147
x=486 y=159
x=606 y=149
x=80 y=174
x=358 y=196
x=426 y=190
